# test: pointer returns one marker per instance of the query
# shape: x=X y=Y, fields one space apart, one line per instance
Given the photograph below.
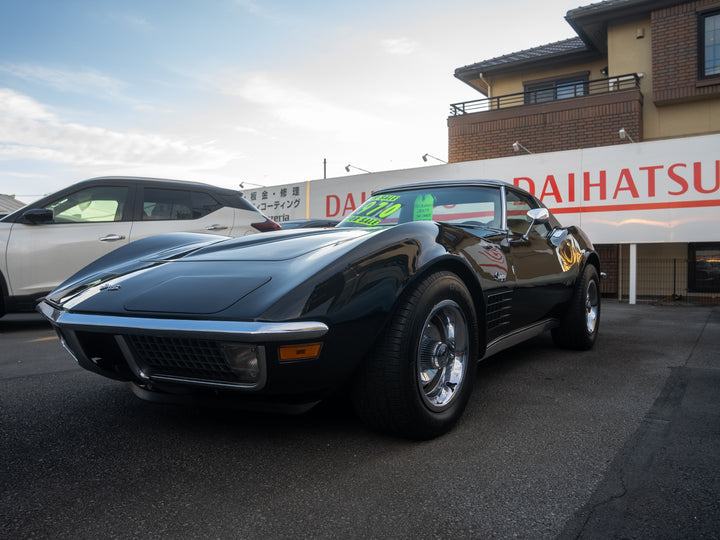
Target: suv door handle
x=112 y=238
x=216 y=227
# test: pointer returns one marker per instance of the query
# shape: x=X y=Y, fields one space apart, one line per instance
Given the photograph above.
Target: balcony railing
x=559 y=92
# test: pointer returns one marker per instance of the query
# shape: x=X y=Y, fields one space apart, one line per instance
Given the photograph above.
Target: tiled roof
x=599 y=7
x=589 y=39
x=9 y=204
x=559 y=48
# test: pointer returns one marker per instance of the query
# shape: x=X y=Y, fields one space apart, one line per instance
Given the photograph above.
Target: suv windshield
x=462 y=205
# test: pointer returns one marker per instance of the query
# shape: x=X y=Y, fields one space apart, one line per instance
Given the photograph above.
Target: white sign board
x=658 y=191
x=280 y=203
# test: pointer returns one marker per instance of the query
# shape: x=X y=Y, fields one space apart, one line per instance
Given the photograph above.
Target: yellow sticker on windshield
x=375 y=210
x=363 y=220
x=423 y=208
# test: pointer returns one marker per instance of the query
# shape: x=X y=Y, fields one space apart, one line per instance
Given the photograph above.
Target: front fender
x=589 y=255
x=367 y=280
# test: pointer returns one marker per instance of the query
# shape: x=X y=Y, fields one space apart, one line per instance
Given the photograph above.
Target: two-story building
x=638 y=70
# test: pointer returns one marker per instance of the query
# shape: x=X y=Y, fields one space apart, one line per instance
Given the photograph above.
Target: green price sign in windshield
x=423 y=208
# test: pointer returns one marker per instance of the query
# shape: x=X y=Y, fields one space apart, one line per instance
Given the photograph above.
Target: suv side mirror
x=36 y=216
x=537 y=216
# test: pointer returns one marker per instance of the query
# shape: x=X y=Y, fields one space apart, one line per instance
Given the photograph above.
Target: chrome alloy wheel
x=592 y=306
x=443 y=354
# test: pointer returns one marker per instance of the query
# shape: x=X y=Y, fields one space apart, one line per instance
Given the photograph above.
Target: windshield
x=466 y=205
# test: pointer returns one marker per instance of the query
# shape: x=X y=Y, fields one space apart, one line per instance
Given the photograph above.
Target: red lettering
x=627 y=177
x=571 y=187
x=697 y=178
x=530 y=183
x=554 y=190
x=600 y=184
x=349 y=204
x=651 y=178
x=336 y=203
x=677 y=178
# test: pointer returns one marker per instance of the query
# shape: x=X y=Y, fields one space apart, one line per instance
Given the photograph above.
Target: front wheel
x=419 y=378
x=579 y=326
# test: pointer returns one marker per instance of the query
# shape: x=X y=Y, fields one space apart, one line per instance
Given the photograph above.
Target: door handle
x=216 y=228
x=112 y=238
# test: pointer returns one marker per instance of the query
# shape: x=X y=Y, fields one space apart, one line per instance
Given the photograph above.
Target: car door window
x=203 y=204
x=518 y=222
x=175 y=204
x=479 y=206
x=91 y=205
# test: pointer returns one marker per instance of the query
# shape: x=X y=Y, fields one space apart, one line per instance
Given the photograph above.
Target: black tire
x=418 y=380
x=579 y=326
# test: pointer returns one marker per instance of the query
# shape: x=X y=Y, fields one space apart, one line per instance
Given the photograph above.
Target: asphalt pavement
x=619 y=442
x=665 y=481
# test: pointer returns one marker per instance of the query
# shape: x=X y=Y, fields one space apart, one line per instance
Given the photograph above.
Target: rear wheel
x=419 y=378
x=579 y=326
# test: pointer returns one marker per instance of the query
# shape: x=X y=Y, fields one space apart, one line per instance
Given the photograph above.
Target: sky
x=231 y=91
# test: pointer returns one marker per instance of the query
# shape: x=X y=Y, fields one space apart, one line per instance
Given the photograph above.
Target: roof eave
x=476 y=72
x=590 y=22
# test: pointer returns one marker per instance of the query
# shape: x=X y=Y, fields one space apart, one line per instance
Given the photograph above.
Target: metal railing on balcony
x=549 y=93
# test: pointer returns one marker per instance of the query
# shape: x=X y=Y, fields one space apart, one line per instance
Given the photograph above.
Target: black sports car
x=393 y=307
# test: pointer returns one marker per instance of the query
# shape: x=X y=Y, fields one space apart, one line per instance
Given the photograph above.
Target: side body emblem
x=109 y=287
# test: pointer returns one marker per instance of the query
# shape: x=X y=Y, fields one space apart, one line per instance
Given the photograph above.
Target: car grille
x=180 y=357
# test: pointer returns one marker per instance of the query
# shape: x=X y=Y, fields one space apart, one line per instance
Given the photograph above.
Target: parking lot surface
x=619 y=442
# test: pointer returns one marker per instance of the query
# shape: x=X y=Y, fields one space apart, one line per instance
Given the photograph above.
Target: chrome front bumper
x=119 y=334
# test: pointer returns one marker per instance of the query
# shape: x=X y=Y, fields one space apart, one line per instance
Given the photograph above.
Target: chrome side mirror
x=537 y=216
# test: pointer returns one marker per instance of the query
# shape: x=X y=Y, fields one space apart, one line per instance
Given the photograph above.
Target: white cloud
x=132 y=21
x=14 y=105
x=247 y=130
x=297 y=108
x=84 y=82
x=400 y=46
x=24 y=175
x=76 y=82
x=29 y=131
x=249 y=5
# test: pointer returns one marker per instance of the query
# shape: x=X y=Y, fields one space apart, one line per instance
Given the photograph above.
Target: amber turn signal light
x=307 y=351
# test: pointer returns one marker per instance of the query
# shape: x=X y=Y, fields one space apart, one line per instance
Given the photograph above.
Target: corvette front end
x=225 y=355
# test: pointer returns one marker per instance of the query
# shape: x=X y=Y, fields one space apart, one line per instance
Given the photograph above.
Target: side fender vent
x=499 y=308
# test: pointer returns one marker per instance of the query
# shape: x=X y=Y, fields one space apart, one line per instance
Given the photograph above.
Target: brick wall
x=675 y=52
x=559 y=125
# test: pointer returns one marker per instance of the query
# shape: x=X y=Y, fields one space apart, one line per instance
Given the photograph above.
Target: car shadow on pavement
x=17 y=322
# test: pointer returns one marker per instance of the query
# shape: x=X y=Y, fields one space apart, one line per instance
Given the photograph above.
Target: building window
x=704 y=267
x=542 y=92
x=710 y=44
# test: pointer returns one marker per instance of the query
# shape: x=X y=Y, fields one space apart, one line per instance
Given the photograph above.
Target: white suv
x=46 y=242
